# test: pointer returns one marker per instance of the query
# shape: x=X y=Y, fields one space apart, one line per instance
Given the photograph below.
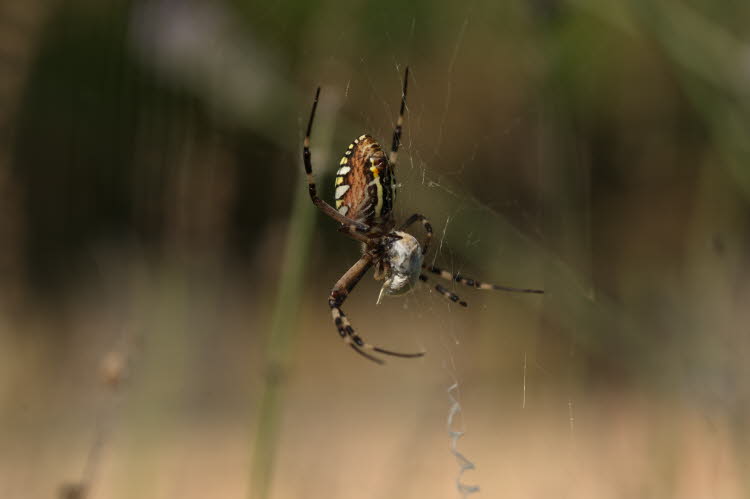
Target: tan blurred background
x=164 y=331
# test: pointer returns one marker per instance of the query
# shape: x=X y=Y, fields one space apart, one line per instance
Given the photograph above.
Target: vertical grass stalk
x=281 y=337
x=282 y=334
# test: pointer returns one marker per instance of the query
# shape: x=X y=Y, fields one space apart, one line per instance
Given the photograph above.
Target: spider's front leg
x=473 y=283
x=467 y=281
x=339 y=293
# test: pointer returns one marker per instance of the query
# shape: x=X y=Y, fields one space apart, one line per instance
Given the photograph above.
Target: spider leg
x=339 y=293
x=473 y=283
x=427 y=227
x=397 y=131
x=311 y=187
x=351 y=231
x=446 y=293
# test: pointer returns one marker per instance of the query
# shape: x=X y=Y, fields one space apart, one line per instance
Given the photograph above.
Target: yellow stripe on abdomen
x=379 y=187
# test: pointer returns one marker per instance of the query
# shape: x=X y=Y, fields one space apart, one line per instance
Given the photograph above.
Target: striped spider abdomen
x=365 y=185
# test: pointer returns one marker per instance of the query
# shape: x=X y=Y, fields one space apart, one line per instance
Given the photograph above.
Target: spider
x=365 y=194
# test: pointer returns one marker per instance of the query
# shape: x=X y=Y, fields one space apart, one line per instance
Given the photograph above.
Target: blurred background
x=164 y=329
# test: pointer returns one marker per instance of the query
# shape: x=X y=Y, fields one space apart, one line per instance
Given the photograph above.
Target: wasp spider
x=365 y=194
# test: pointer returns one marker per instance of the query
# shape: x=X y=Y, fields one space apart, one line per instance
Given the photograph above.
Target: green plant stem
x=281 y=337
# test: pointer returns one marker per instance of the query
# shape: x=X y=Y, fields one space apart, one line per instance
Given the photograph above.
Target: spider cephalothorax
x=365 y=194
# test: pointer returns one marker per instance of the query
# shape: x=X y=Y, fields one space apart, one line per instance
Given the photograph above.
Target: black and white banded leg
x=347 y=223
x=467 y=281
x=427 y=227
x=399 y=123
x=446 y=293
x=339 y=293
x=473 y=283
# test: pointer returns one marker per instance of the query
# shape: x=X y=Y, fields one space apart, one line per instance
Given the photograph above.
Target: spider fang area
x=404 y=257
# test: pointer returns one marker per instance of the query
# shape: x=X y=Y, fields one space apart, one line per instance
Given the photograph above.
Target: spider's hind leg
x=399 y=124
x=311 y=186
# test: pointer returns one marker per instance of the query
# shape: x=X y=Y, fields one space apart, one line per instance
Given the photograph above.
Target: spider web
x=415 y=172
x=463 y=222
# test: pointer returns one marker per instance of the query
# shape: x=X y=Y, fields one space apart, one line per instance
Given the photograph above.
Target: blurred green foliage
x=591 y=127
x=596 y=148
